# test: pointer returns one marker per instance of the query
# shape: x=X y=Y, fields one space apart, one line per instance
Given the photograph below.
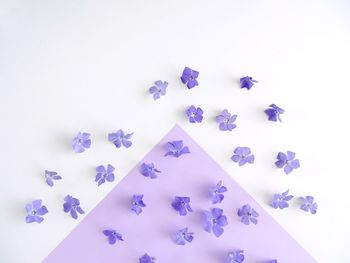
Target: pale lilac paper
x=150 y=232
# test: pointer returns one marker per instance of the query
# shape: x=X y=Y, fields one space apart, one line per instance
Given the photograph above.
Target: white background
x=69 y=66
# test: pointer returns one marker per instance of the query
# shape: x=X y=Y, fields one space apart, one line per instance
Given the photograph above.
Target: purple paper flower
x=226 y=121
x=137 y=204
x=72 y=206
x=189 y=77
x=81 y=142
x=113 y=236
x=281 y=200
x=274 y=113
x=182 y=205
x=50 y=176
x=215 y=221
x=247 y=82
x=308 y=204
x=194 y=114
x=182 y=236
x=236 y=256
x=104 y=174
x=248 y=215
x=119 y=138
x=216 y=192
x=158 y=89
x=176 y=148
x=148 y=170
x=273 y=261
x=242 y=155
x=287 y=161
x=147 y=259
x=35 y=211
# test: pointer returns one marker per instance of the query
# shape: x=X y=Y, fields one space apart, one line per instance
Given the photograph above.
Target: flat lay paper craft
x=152 y=230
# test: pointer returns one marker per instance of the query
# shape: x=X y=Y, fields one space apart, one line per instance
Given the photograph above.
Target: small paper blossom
x=147 y=259
x=182 y=205
x=35 y=211
x=148 y=170
x=189 y=77
x=194 y=114
x=104 y=174
x=287 y=161
x=248 y=215
x=274 y=113
x=176 y=148
x=50 y=176
x=247 y=82
x=308 y=204
x=113 y=236
x=182 y=236
x=72 y=206
x=236 y=256
x=281 y=200
x=217 y=192
x=119 y=138
x=137 y=204
x=242 y=155
x=226 y=121
x=158 y=89
x=215 y=221
x=81 y=142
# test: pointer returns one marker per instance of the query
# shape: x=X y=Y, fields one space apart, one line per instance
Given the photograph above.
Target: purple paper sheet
x=150 y=232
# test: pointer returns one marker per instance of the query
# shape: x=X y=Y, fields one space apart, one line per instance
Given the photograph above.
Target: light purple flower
x=72 y=206
x=159 y=89
x=217 y=192
x=147 y=259
x=273 y=261
x=281 y=200
x=35 y=211
x=176 y=148
x=274 y=112
x=113 y=236
x=226 y=121
x=182 y=236
x=242 y=155
x=50 y=176
x=247 y=82
x=137 y=204
x=182 y=205
x=104 y=174
x=248 y=215
x=189 y=77
x=119 y=138
x=148 y=170
x=309 y=204
x=287 y=161
x=214 y=220
x=194 y=114
x=236 y=256
x=81 y=142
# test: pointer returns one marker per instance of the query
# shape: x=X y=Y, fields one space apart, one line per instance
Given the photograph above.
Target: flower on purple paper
x=308 y=204
x=72 y=205
x=147 y=259
x=113 y=236
x=281 y=200
x=215 y=221
x=120 y=138
x=159 y=89
x=182 y=205
x=274 y=112
x=182 y=236
x=236 y=256
x=35 y=211
x=216 y=192
x=149 y=170
x=248 y=215
x=287 y=161
x=176 y=148
x=137 y=204
x=104 y=174
x=50 y=176
x=226 y=121
x=194 y=114
x=81 y=142
x=242 y=155
x=189 y=77
x=247 y=82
